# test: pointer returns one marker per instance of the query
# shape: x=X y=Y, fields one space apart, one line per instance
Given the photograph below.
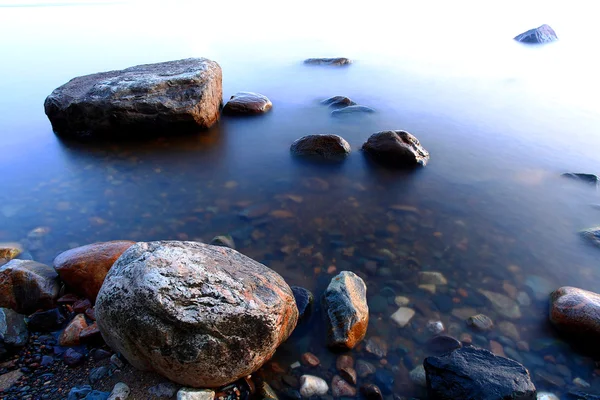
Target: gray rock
x=476 y=374
x=592 y=235
x=120 y=392
x=396 y=148
x=164 y=389
x=195 y=394
x=432 y=278
x=201 y=315
x=247 y=103
x=480 y=322
x=503 y=305
x=337 y=61
x=8 y=379
x=540 y=286
x=26 y=286
x=183 y=94
x=79 y=392
x=417 y=376
x=338 y=102
x=346 y=311
x=402 y=316
x=321 y=146
x=97 y=374
x=510 y=330
x=539 y=35
x=13 y=330
x=435 y=327
x=312 y=386
x=355 y=109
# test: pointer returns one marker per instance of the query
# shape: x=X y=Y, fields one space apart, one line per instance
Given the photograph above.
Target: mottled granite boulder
x=163 y=97
x=201 y=315
x=346 y=310
x=247 y=103
x=26 y=286
x=396 y=149
x=539 y=35
x=329 y=147
x=576 y=313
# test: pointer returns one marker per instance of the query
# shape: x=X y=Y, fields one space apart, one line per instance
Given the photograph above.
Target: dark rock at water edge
x=329 y=147
x=247 y=103
x=165 y=97
x=338 y=102
x=442 y=344
x=27 y=286
x=476 y=374
x=13 y=331
x=355 y=109
x=46 y=321
x=592 y=235
x=590 y=179
x=539 y=35
x=304 y=301
x=337 y=61
x=396 y=149
x=72 y=357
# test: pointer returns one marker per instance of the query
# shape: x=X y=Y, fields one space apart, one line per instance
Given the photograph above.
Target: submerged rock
x=346 y=311
x=590 y=179
x=328 y=61
x=592 y=235
x=354 y=109
x=481 y=322
x=321 y=146
x=247 y=103
x=396 y=148
x=541 y=34
x=84 y=268
x=476 y=374
x=26 y=286
x=169 y=96
x=201 y=315
x=503 y=305
x=402 y=316
x=338 y=102
x=576 y=313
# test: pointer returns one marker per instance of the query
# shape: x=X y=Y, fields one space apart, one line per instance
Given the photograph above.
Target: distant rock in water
x=356 y=109
x=338 y=102
x=164 y=97
x=328 y=61
x=576 y=313
x=541 y=34
x=396 y=149
x=321 y=146
x=469 y=373
x=247 y=103
x=592 y=235
x=590 y=179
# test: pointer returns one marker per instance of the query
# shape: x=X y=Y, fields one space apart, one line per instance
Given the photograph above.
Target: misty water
x=501 y=120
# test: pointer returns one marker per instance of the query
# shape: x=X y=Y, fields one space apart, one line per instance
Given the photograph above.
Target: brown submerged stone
x=576 y=312
x=26 y=286
x=84 y=268
x=323 y=146
x=396 y=148
x=244 y=103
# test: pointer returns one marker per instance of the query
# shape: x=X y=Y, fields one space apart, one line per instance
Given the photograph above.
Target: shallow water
x=501 y=120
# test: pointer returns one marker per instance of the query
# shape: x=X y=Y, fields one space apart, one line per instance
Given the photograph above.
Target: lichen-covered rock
x=576 y=312
x=476 y=374
x=337 y=61
x=396 y=148
x=84 y=268
x=201 y=315
x=541 y=34
x=346 y=311
x=247 y=103
x=169 y=96
x=321 y=146
x=26 y=286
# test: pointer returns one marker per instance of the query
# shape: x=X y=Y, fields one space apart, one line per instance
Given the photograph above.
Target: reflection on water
x=501 y=122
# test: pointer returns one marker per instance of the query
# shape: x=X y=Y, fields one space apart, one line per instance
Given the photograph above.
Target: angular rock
x=396 y=148
x=201 y=315
x=337 y=61
x=13 y=331
x=70 y=336
x=26 y=286
x=349 y=374
x=312 y=386
x=46 y=321
x=310 y=360
x=164 y=389
x=402 y=316
x=338 y=102
x=476 y=374
x=195 y=394
x=321 y=146
x=223 y=240
x=89 y=333
x=79 y=392
x=539 y=35
x=355 y=109
x=376 y=346
x=165 y=97
x=247 y=103
x=576 y=313
x=341 y=388
x=509 y=330
x=8 y=251
x=503 y=305
x=84 y=268
x=417 y=376
x=304 y=301
x=346 y=311
x=120 y=392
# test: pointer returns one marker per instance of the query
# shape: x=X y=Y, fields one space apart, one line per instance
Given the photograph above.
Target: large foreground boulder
x=396 y=149
x=539 y=35
x=470 y=373
x=330 y=147
x=184 y=94
x=26 y=286
x=346 y=310
x=84 y=268
x=201 y=315
x=576 y=313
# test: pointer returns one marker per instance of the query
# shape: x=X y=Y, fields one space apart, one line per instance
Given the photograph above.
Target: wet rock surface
x=592 y=235
x=336 y=61
x=353 y=109
x=576 y=313
x=476 y=374
x=211 y=314
x=304 y=302
x=396 y=148
x=338 y=102
x=329 y=147
x=590 y=179
x=541 y=34
x=247 y=103
x=26 y=286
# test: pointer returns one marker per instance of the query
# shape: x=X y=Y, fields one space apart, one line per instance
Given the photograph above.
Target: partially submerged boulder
x=169 y=96
x=590 y=179
x=337 y=61
x=346 y=310
x=84 y=268
x=396 y=148
x=324 y=146
x=338 y=102
x=26 y=286
x=201 y=315
x=247 y=103
x=539 y=35
x=576 y=313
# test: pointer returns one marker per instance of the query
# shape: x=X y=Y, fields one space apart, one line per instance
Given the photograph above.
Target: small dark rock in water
x=541 y=34
x=310 y=360
x=352 y=110
x=385 y=380
x=321 y=146
x=338 y=102
x=223 y=240
x=304 y=301
x=576 y=313
x=592 y=235
x=79 y=392
x=46 y=321
x=578 y=394
x=72 y=357
x=476 y=374
x=587 y=178
x=371 y=392
x=328 y=61
x=247 y=103
x=442 y=344
x=396 y=148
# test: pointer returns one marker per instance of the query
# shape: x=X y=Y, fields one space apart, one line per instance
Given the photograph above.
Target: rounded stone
x=27 y=286
x=481 y=322
x=312 y=386
x=321 y=146
x=576 y=312
x=201 y=315
x=338 y=102
x=396 y=149
x=244 y=103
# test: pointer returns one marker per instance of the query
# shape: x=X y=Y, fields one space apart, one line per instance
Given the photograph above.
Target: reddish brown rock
x=344 y=361
x=310 y=360
x=91 y=314
x=68 y=298
x=70 y=336
x=84 y=268
x=27 y=286
x=243 y=103
x=576 y=312
x=341 y=388
x=349 y=374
